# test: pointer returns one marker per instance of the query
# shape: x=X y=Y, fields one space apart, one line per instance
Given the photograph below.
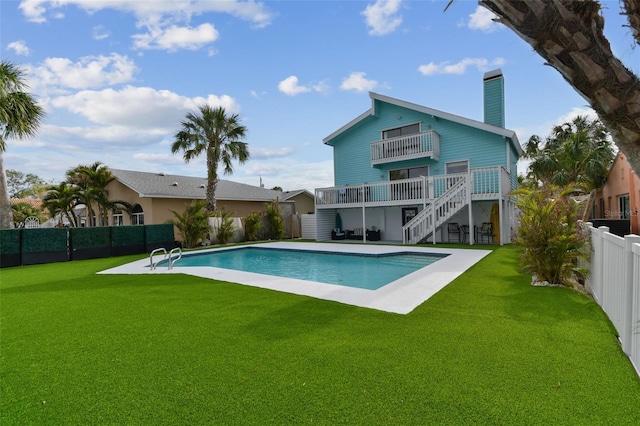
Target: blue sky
x=116 y=77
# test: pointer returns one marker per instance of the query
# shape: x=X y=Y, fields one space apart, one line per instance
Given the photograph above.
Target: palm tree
x=569 y=36
x=20 y=117
x=219 y=135
x=60 y=200
x=578 y=152
x=93 y=181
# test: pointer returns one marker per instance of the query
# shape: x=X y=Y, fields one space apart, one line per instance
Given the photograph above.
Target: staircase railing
x=434 y=215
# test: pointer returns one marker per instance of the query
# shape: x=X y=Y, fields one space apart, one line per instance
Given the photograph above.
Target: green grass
x=80 y=348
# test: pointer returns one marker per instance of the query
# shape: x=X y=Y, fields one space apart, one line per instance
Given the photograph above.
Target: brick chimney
x=494 y=98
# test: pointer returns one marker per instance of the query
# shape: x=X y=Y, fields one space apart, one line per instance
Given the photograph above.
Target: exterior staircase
x=436 y=214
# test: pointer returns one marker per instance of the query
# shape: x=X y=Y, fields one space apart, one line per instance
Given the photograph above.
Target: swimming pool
x=361 y=270
x=400 y=296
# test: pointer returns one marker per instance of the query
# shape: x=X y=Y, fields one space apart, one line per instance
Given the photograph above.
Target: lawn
x=80 y=348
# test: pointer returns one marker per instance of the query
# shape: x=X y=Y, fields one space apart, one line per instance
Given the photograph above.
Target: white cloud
x=100 y=33
x=169 y=11
x=382 y=16
x=357 y=82
x=88 y=72
x=483 y=19
x=173 y=37
x=138 y=107
x=289 y=86
x=481 y=64
x=265 y=153
x=20 y=47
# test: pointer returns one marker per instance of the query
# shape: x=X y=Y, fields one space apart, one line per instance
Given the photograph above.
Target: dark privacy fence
x=30 y=246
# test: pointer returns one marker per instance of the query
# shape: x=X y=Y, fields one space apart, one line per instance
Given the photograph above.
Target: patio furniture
x=453 y=229
x=464 y=229
x=373 y=235
x=486 y=231
x=338 y=234
x=356 y=234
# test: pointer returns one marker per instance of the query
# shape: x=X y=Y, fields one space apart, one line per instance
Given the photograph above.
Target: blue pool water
x=366 y=271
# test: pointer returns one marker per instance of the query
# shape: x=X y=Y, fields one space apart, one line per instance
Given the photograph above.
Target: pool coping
x=400 y=296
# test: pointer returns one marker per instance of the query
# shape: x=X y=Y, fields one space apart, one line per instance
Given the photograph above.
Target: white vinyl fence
x=614 y=282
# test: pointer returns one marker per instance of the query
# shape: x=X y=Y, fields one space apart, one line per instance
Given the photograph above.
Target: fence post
x=629 y=290
x=598 y=276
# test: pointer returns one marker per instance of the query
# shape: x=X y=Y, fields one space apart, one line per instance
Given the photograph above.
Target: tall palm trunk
x=212 y=181
x=569 y=35
x=6 y=215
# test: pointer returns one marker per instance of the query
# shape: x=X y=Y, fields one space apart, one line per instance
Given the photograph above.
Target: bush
x=193 y=224
x=275 y=221
x=252 y=226
x=550 y=234
x=225 y=228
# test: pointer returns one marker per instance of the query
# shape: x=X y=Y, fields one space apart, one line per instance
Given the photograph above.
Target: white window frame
x=457 y=163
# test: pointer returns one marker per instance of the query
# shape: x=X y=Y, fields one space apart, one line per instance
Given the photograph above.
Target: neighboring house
x=154 y=195
x=619 y=198
x=408 y=171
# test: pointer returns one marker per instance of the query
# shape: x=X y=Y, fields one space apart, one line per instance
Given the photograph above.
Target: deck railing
x=418 y=145
x=486 y=183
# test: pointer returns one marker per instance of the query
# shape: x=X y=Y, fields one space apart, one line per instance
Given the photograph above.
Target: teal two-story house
x=406 y=172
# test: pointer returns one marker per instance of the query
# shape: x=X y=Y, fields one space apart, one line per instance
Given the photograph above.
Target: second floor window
x=401 y=131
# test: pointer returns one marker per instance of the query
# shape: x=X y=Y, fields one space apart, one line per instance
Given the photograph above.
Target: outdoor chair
x=486 y=231
x=464 y=229
x=453 y=229
x=338 y=234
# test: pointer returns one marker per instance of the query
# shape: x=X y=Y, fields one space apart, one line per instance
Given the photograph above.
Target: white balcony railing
x=418 y=145
x=485 y=183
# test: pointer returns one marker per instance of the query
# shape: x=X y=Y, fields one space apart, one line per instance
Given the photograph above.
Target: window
x=401 y=131
x=118 y=219
x=408 y=173
x=456 y=167
x=602 y=212
x=137 y=216
x=624 y=207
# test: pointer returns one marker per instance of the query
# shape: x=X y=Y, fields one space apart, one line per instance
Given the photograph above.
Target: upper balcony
x=417 y=145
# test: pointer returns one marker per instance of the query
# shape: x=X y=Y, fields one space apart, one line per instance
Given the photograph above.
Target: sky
x=117 y=77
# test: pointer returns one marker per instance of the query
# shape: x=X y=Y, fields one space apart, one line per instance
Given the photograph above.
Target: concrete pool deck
x=401 y=296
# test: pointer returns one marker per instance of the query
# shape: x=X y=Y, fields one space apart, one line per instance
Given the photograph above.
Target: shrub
x=552 y=238
x=193 y=224
x=252 y=226
x=225 y=228
x=275 y=221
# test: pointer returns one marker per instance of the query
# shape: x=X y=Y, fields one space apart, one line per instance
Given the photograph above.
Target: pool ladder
x=178 y=250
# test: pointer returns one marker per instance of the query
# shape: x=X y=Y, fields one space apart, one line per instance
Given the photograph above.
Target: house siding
x=352 y=165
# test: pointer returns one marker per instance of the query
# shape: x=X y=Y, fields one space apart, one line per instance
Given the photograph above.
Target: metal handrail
x=153 y=265
x=171 y=261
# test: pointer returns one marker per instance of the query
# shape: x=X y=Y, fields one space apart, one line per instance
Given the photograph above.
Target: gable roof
x=162 y=185
x=430 y=111
x=33 y=202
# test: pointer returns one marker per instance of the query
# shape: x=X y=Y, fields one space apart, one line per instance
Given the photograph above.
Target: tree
x=550 y=234
x=193 y=223
x=60 y=200
x=22 y=185
x=20 y=118
x=22 y=210
x=578 y=152
x=569 y=35
x=218 y=135
x=92 y=181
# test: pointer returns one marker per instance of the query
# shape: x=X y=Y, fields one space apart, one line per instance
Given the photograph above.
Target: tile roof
x=31 y=201
x=162 y=185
